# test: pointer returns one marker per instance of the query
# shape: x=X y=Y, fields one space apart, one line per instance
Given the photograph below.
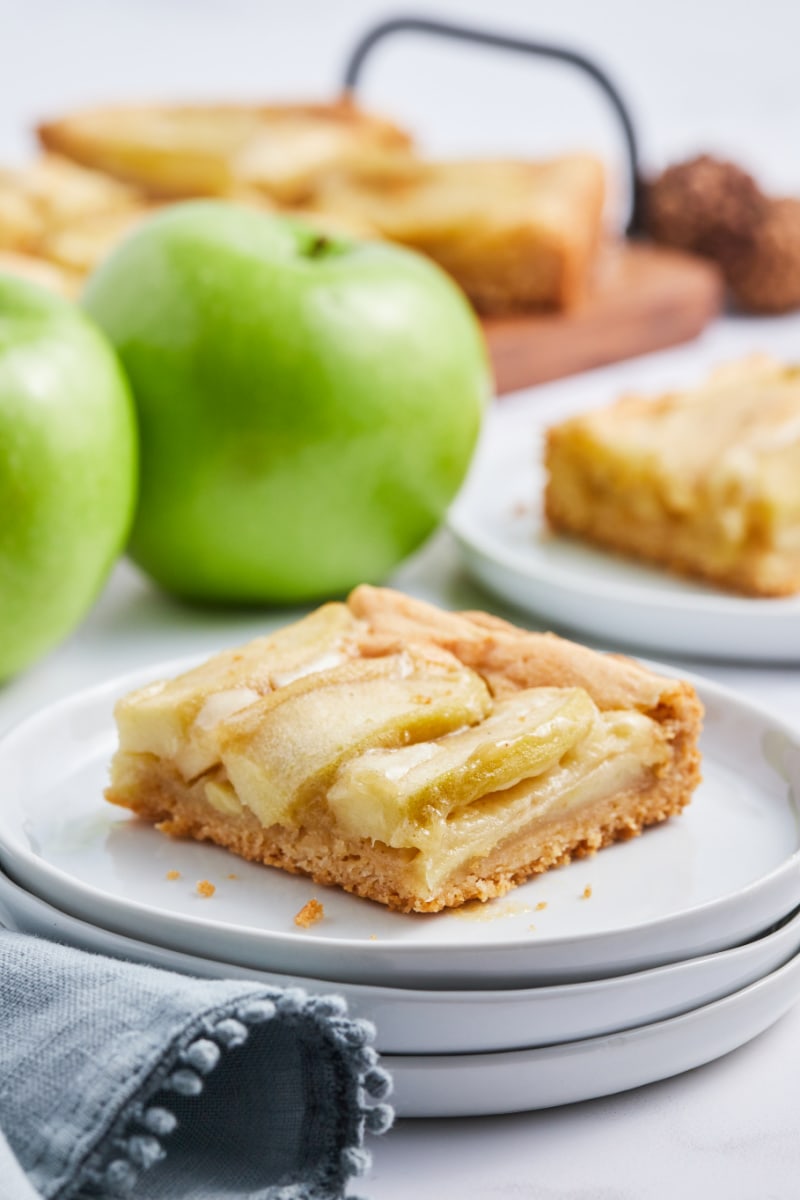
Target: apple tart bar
x=704 y=481
x=416 y=757
x=515 y=235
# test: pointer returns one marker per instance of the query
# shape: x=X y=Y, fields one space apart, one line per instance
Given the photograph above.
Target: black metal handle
x=464 y=33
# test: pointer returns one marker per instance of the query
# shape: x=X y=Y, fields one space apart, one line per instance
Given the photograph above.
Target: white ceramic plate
x=431 y=1022
x=498 y=524
x=471 y=1085
x=714 y=877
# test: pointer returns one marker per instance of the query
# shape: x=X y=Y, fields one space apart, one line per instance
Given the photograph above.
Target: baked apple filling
x=539 y=755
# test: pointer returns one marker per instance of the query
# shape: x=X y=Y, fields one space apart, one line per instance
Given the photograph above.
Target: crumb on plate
x=204 y=888
x=173 y=875
x=587 y=892
x=541 y=906
x=309 y=914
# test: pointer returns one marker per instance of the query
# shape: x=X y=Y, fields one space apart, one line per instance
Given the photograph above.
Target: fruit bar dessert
x=37 y=270
x=416 y=757
x=706 y=481
x=58 y=219
x=174 y=151
x=515 y=235
x=51 y=193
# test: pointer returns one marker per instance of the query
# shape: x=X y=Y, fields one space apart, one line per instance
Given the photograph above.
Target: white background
x=698 y=75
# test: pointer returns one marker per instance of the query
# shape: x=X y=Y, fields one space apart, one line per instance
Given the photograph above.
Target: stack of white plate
x=653 y=957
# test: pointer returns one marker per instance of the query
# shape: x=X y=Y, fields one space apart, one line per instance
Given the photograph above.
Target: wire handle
x=465 y=33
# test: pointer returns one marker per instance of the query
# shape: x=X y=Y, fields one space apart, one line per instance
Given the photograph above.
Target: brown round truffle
x=764 y=277
x=705 y=205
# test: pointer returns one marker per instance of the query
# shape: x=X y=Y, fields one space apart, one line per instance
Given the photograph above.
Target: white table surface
x=728 y=1129
x=718 y=75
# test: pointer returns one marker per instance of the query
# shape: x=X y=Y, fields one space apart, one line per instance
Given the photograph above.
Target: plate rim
x=438 y=996
x=509 y=559
x=638 y=1033
x=672 y=1047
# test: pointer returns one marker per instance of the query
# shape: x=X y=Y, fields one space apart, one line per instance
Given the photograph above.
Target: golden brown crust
x=507 y=657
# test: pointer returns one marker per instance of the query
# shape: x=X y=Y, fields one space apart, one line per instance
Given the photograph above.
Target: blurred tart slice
x=52 y=192
x=38 y=270
x=412 y=756
x=515 y=235
x=58 y=219
x=81 y=245
x=208 y=149
x=704 y=481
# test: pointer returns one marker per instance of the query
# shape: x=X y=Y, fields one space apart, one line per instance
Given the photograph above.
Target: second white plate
x=434 y=1022
x=714 y=877
x=472 y=1085
x=498 y=524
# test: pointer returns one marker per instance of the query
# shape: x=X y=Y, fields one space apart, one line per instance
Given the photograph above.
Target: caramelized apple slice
x=383 y=791
x=286 y=749
x=177 y=719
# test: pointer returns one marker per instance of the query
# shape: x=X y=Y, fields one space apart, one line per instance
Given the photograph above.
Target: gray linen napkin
x=123 y=1080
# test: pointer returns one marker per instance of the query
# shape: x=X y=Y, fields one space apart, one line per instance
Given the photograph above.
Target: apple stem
x=318 y=246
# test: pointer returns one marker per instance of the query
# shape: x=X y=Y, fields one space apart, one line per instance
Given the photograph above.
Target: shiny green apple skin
x=308 y=407
x=67 y=469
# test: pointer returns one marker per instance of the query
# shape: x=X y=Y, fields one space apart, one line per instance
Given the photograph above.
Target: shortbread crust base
x=386 y=874
x=575 y=504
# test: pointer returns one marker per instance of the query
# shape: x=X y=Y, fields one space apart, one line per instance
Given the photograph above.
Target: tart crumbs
x=173 y=875
x=309 y=914
x=233 y=877
x=206 y=889
x=587 y=892
x=541 y=906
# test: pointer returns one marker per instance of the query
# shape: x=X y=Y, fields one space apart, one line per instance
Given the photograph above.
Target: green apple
x=67 y=468
x=308 y=405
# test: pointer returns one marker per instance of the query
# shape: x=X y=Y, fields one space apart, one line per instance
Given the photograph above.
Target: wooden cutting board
x=645 y=298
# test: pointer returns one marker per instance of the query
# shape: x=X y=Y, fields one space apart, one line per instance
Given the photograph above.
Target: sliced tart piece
x=416 y=757
x=52 y=192
x=182 y=150
x=516 y=235
x=704 y=481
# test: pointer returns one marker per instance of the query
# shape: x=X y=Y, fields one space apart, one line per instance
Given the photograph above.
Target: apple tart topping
x=177 y=719
x=539 y=754
x=384 y=793
x=286 y=749
x=412 y=756
x=407 y=748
